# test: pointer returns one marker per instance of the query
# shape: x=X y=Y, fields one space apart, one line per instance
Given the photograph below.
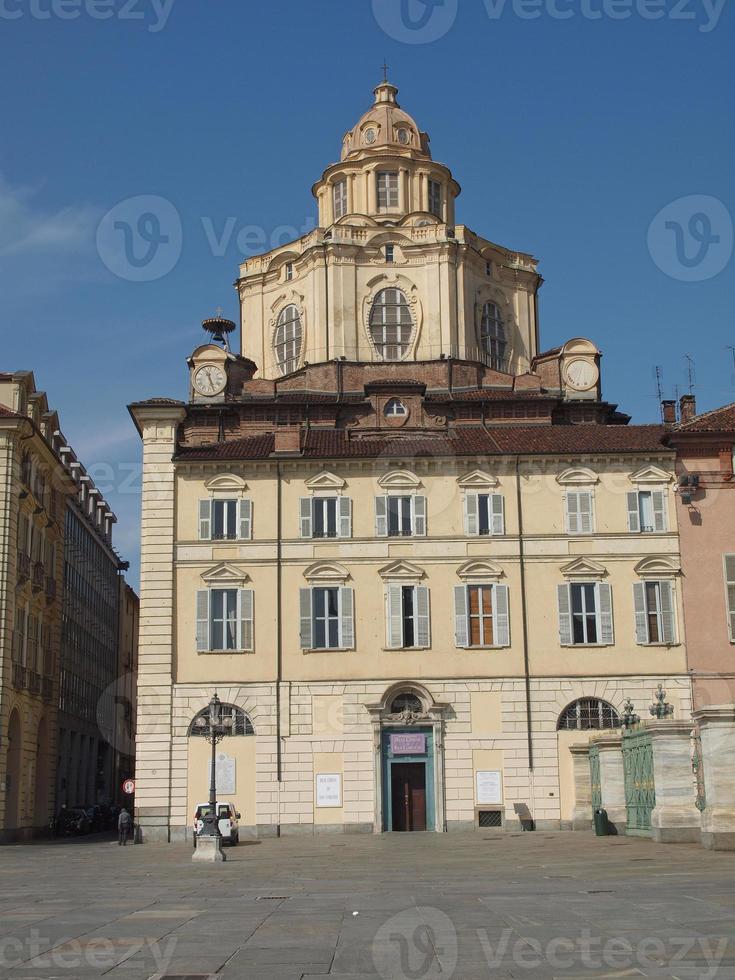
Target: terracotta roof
x=488 y=395
x=718 y=420
x=6 y=413
x=158 y=401
x=461 y=441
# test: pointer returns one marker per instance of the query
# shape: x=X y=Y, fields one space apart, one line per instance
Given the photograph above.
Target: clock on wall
x=209 y=379
x=581 y=375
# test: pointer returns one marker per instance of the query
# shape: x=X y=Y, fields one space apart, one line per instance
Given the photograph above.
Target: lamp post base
x=208 y=849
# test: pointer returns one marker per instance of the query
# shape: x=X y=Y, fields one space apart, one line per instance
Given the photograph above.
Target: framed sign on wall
x=329 y=789
x=489 y=786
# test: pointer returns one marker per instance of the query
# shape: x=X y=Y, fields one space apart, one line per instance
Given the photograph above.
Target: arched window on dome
x=288 y=340
x=588 y=714
x=492 y=337
x=241 y=724
x=391 y=324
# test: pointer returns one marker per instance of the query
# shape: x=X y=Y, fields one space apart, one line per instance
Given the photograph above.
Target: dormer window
x=395 y=409
x=289 y=271
x=435 y=198
x=387 y=190
x=339 y=193
x=390 y=253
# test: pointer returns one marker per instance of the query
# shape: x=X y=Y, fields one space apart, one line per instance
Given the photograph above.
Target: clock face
x=582 y=375
x=370 y=135
x=209 y=380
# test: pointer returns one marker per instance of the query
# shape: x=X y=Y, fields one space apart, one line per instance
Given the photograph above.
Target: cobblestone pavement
x=405 y=906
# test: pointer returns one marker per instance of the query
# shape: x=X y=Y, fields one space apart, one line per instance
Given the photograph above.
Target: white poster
x=329 y=789
x=225 y=774
x=489 y=786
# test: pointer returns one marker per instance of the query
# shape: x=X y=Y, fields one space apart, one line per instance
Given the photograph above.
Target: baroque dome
x=386 y=126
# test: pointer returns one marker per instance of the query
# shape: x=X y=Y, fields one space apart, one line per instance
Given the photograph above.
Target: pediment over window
x=402 y=570
x=478 y=480
x=226 y=482
x=225 y=574
x=326 y=571
x=577 y=476
x=651 y=474
x=480 y=569
x=399 y=480
x=325 y=481
x=584 y=568
x=657 y=565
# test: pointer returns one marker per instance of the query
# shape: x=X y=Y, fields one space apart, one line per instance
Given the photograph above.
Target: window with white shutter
x=484 y=514
x=585 y=614
x=481 y=616
x=327 y=618
x=245 y=519
x=655 y=612
x=325 y=517
x=730 y=587
x=224 y=620
x=579 y=512
x=647 y=512
x=403 y=516
x=408 y=617
x=225 y=520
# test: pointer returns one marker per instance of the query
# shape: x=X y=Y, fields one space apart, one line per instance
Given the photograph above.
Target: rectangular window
x=435 y=198
x=481 y=616
x=730 y=586
x=399 y=516
x=224 y=620
x=340 y=199
x=327 y=618
x=585 y=614
x=387 y=190
x=579 y=517
x=325 y=517
x=390 y=254
x=655 y=616
x=480 y=608
x=225 y=520
x=484 y=514
x=289 y=271
x=407 y=616
x=647 y=511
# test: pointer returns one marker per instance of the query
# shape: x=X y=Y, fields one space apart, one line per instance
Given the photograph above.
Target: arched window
x=288 y=339
x=406 y=702
x=492 y=336
x=587 y=714
x=241 y=724
x=391 y=324
x=395 y=409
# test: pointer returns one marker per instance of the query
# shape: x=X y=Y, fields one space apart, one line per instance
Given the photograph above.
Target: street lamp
x=213 y=726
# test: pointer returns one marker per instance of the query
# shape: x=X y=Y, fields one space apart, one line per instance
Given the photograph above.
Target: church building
x=416 y=555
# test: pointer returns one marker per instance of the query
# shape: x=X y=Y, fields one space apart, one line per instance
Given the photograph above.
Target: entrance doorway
x=408 y=792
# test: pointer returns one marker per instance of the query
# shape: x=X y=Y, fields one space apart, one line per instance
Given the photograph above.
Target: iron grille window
x=391 y=324
x=288 y=339
x=406 y=702
x=490 y=818
x=588 y=714
x=492 y=336
x=241 y=724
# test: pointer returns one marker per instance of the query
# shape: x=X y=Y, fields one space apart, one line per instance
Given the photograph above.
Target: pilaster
x=612 y=779
x=717 y=731
x=582 y=816
x=675 y=818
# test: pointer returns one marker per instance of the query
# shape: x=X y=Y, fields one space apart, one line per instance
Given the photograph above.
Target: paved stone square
x=404 y=906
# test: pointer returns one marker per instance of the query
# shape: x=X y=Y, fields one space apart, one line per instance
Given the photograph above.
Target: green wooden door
x=640 y=790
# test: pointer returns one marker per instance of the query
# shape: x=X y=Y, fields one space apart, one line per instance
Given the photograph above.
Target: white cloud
x=26 y=226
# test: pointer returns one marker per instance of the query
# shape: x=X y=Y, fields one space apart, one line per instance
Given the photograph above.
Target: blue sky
x=569 y=136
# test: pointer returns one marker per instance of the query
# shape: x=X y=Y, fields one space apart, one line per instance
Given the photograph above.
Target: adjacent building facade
x=59 y=618
x=414 y=554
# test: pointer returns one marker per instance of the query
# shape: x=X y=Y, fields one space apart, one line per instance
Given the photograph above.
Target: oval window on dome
x=391 y=324
x=404 y=136
x=288 y=339
x=492 y=337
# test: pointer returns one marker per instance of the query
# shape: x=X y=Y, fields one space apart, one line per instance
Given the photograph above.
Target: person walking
x=124 y=827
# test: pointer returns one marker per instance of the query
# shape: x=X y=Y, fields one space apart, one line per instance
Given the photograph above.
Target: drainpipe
x=279 y=633
x=524 y=606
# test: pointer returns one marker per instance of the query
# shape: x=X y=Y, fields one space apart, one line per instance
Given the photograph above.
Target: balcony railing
x=24 y=566
x=19 y=677
x=38 y=577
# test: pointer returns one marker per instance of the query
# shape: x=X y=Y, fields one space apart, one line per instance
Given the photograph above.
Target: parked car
x=228 y=818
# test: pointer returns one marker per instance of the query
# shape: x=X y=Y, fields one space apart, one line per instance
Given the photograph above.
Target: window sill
x=327 y=650
x=587 y=646
x=485 y=647
x=404 y=649
x=659 y=646
x=224 y=653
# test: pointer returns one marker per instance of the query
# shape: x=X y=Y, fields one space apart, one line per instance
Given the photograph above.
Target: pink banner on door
x=408 y=743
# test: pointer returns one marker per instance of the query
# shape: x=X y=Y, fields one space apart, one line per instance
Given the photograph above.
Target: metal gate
x=640 y=790
x=595 y=777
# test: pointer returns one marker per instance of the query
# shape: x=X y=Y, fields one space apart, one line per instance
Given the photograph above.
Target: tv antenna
x=659 y=387
x=732 y=351
x=690 y=372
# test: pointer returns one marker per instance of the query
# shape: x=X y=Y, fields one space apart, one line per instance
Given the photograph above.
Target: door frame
x=387 y=763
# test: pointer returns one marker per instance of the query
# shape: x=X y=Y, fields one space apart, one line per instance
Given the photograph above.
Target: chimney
x=287 y=440
x=669 y=412
x=687 y=407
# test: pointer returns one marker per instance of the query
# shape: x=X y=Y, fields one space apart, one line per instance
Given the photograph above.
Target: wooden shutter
x=305 y=517
x=565 y=615
x=305 y=618
x=658 y=502
x=203 y=641
x=346 y=618
x=344 y=517
x=422 y=614
x=730 y=585
x=668 y=612
x=497 y=513
x=501 y=615
x=393 y=616
x=245 y=519
x=471 y=516
x=461 y=631
x=572 y=509
x=641 y=619
x=205 y=520
x=585 y=512
x=419 y=516
x=245 y=619
x=381 y=517
x=634 y=517
x=605 y=630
